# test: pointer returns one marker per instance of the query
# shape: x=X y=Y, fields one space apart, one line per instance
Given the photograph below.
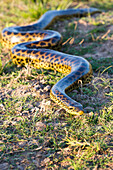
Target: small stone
x=45 y=161
x=91 y=113
x=25 y=113
x=38 y=155
x=37 y=87
x=2 y=106
x=19 y=119
x=59 y=111
x=22 y=144
x=83 y=22
x=47 y=88
x=34 y=109
x=75 y=91
x=4 y=166
x=19 y=109
x=44 y=105
x=42 y=81
x=38 y=93
x=89 y=108
x=33 y=94
x=40 y=126
x=13 y=122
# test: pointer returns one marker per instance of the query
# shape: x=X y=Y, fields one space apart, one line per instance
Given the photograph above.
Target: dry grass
x=35 y=133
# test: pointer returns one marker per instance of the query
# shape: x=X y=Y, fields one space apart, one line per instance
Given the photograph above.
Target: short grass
x=35 y=133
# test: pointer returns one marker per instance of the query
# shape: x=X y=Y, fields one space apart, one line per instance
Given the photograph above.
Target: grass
x=35 y=133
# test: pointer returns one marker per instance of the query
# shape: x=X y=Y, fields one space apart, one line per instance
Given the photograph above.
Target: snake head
x=75 y=111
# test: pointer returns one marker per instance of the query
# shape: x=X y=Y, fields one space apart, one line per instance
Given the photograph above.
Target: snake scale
x=29 y=45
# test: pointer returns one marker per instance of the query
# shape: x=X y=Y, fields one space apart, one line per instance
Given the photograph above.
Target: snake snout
x=75 y=111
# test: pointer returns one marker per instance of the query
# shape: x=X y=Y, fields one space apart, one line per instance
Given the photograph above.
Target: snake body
x=29 y=45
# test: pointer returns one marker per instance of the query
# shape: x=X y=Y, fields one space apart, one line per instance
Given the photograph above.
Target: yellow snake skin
x=29 y=46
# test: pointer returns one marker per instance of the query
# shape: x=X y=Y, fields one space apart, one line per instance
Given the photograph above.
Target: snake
x=36 y=46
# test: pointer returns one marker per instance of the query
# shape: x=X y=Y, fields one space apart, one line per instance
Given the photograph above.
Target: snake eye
x=71 y=108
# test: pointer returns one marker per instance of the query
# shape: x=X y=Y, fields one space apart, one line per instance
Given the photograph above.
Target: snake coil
x=29 y=45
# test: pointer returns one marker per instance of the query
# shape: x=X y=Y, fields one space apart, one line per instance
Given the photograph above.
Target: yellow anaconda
x=30 y=46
